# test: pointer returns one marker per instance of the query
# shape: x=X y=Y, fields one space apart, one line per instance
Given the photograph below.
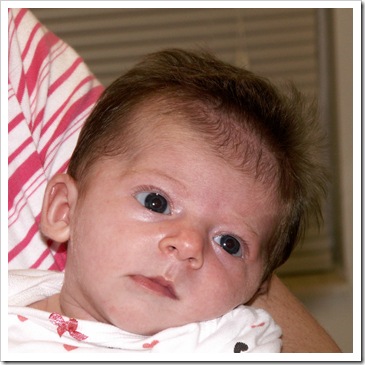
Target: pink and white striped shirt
x=51 y=92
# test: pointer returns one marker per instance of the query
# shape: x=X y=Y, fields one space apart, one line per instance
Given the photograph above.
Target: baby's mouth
x=158 y=285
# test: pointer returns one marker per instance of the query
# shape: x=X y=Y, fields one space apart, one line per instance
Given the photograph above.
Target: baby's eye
x=229 y=244
x=154 y=201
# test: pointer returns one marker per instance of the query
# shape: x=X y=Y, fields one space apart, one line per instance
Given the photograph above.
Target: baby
x=191 y=182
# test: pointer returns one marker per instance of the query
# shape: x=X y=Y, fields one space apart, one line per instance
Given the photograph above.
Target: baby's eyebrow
x=159 y=174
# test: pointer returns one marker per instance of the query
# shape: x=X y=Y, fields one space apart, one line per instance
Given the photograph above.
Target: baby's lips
x=157 y=284
x=167 y=284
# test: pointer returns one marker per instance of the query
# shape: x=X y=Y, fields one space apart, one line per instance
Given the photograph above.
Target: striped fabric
x=51 y=92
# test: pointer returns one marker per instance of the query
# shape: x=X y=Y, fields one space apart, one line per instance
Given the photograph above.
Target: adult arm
x=301 y=332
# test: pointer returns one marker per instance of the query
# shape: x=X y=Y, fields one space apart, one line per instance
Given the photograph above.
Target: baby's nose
x=187 y=245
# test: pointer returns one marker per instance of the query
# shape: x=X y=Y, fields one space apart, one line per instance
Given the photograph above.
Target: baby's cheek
x=248 y=283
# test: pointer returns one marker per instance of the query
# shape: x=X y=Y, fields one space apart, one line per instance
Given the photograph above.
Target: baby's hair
x=249 y=122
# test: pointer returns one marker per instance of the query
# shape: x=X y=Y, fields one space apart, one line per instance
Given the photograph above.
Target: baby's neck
x=50 y=304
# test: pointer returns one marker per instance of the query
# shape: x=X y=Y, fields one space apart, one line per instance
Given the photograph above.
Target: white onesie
x=242 y=330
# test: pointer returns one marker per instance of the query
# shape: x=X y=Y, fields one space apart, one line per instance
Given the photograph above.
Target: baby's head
x=192 y=180
x=245 y=119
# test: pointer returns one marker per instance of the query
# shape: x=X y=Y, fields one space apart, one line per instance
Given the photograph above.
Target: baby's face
x=172 y=237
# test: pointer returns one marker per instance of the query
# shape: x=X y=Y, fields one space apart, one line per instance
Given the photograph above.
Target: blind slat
x=119 y=37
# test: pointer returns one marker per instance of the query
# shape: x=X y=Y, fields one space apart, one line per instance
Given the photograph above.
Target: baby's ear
x=58 y=204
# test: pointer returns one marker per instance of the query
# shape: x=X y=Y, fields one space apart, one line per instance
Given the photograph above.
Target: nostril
x=195 y=262
x=171 y=248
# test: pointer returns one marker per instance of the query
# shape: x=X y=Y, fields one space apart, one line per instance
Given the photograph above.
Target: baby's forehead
x=229 y=139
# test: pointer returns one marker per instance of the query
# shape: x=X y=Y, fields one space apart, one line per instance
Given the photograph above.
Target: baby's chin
x=144 y=328
x=150 y=325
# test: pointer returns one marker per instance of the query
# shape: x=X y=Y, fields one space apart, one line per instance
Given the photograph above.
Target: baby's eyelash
x=240 y=252
x=153 y=189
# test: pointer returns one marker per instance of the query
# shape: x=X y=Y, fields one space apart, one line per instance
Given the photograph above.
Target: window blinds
x=279 y=43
